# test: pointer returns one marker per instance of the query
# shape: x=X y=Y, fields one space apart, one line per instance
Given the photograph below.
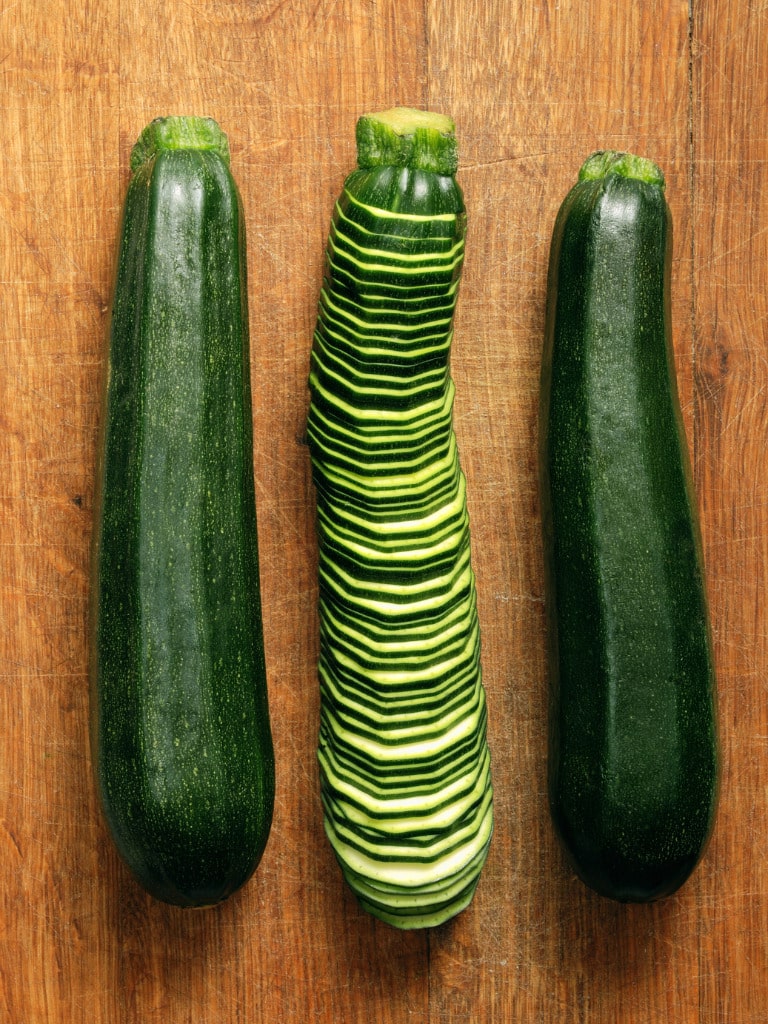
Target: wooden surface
x=533 y=87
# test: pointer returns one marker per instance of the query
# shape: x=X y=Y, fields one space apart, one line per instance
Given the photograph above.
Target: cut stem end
x=405 y=137
x=166 y=133
x=627 y=165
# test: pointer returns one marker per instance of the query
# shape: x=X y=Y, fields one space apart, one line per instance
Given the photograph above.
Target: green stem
x=627 y=165
x=179 y=133
x=404 y=137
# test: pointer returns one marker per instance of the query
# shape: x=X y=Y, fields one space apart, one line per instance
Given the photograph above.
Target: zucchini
x=405 y=768
x=181 y=738
x=633 y=756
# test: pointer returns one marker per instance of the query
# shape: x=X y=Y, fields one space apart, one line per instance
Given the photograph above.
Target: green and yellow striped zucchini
x=405 y=767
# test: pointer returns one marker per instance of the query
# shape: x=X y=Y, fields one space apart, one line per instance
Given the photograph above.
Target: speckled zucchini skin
x=180 y=726
x=633 y=760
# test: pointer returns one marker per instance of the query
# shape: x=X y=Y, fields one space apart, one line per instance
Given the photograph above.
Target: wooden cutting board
x=533 y=87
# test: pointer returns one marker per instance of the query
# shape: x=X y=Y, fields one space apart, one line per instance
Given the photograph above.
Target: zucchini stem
x=405 y=137
x=627 y=165
x=179 y=133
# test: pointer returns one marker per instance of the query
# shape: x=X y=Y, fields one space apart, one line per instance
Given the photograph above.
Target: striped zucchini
x=404 y=762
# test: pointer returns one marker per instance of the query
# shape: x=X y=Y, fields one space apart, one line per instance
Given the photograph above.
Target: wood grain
x=533 y=88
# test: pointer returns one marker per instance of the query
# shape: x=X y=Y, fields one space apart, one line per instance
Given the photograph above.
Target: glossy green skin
x=633 y=758
x=180 y=726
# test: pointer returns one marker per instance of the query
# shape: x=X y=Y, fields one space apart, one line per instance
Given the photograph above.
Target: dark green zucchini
x=404 y=762
x=181 y=737
x=633 y=760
